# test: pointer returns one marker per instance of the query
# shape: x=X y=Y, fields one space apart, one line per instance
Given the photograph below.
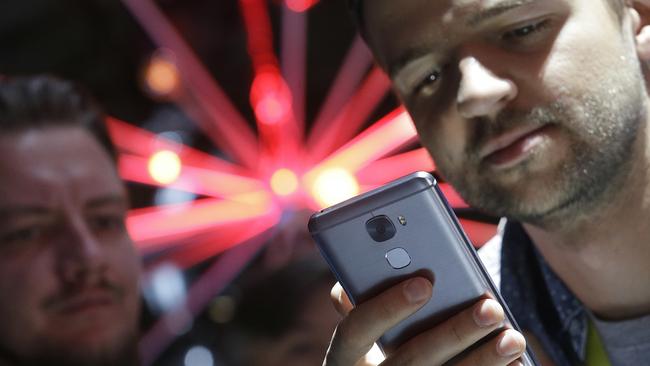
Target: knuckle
x=457 y=333
x=348 y=335
x=459 y=330
x=385 y=309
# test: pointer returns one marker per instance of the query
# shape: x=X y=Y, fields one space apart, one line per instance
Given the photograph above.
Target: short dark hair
x=43 y=101
x=356 y=7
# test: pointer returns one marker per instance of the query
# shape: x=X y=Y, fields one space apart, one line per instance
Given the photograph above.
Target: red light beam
x=213 y=244
x=385 y=136
x=137 y=141
x=354 y=67
x=222 y=272
x=454 y=199
x=259 y=33
x=350 y=119
x=387 y=169
x=208 y=182
x=227 y=129
x=300 y=6
x=294 y=60
x=152 y=228
x=271 y=97
x=479 y=232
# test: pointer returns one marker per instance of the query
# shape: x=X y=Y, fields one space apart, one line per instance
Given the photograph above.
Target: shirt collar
x=538 y=298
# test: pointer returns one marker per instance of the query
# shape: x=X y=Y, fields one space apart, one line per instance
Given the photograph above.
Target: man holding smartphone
x=537 y=111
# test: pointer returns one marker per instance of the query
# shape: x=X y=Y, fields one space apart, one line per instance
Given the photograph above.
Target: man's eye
x=429 y=84
x=21 y=236
x=525 y=31
x=107 y=223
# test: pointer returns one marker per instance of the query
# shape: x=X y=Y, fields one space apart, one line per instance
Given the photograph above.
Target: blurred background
x=235 y=120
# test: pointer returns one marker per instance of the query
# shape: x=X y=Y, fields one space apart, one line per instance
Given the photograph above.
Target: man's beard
x=123 y=353
x=601 y=128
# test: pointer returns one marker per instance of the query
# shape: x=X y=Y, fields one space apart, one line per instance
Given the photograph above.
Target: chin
x=107 y=348
x=525 y=199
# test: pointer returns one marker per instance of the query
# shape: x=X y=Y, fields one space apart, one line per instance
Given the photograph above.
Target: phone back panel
x=431 y=237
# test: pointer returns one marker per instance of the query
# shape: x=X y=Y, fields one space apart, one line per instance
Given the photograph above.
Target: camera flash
x=402 y=220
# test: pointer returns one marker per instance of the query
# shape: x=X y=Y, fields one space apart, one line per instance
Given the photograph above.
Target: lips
x=509 y=148
x=82 y=301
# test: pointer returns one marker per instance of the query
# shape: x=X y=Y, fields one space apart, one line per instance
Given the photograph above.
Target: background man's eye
x=22 y=236
x=105 y=223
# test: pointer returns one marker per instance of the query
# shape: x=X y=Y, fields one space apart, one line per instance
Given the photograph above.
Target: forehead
x=42 y=166
x=391 y=26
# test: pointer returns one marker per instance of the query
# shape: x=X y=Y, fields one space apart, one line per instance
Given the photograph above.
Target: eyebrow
x=110 y=200
x=408 y=57
x=495 y=11
x=13 y=211
x=483 y=15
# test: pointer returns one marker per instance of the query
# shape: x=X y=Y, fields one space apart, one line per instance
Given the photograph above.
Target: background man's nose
x=482 y=93
x=81 y=256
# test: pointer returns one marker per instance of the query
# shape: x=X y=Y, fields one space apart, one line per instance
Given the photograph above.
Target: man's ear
x=639 y=14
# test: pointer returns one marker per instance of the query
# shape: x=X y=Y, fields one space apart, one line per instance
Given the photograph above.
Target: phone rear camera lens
x=380 y=228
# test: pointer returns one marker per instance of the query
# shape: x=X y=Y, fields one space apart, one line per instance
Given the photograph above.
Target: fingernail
x=510 y=344
x=416 y=290
x=489 y=313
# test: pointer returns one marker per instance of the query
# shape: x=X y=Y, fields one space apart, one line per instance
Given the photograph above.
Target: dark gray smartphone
x=402 y=229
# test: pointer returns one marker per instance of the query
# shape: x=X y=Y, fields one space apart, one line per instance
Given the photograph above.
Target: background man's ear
x=639 y=12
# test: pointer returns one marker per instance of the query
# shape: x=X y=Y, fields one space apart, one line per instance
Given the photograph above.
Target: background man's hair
x=38 y=102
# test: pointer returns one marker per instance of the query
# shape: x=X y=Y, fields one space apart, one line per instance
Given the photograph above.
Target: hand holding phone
x=385 y=245
x=362 y=327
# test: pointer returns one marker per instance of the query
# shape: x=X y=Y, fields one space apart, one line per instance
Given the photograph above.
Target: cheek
x=446 y=139
x=125 y=264
x=441 y=129
x=24 y=285
x=580 y=62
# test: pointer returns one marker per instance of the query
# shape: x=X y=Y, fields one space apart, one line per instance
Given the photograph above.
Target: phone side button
x=398 y=258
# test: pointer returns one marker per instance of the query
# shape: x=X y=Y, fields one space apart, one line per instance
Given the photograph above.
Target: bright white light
x=167 y=196
x=199 y=356
x=374 y=356
x=333 y=186
x=164 y=166
x=167 y=287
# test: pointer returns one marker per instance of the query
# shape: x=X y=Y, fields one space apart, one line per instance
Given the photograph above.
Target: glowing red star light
x=281 y=168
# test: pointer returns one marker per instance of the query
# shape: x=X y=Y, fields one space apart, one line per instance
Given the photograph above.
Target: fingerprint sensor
x=398 y=258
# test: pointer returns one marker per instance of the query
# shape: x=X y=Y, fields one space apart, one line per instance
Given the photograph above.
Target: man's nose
x=81 y=254
x=481 y=92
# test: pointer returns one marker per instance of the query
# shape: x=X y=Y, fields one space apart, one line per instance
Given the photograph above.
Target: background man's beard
x=125 y=353
x=601 y=128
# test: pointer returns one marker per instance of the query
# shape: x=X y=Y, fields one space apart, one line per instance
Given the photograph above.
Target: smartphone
x=405 y=228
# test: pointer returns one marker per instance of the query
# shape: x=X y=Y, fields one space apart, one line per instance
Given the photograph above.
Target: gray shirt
x=626 y=342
